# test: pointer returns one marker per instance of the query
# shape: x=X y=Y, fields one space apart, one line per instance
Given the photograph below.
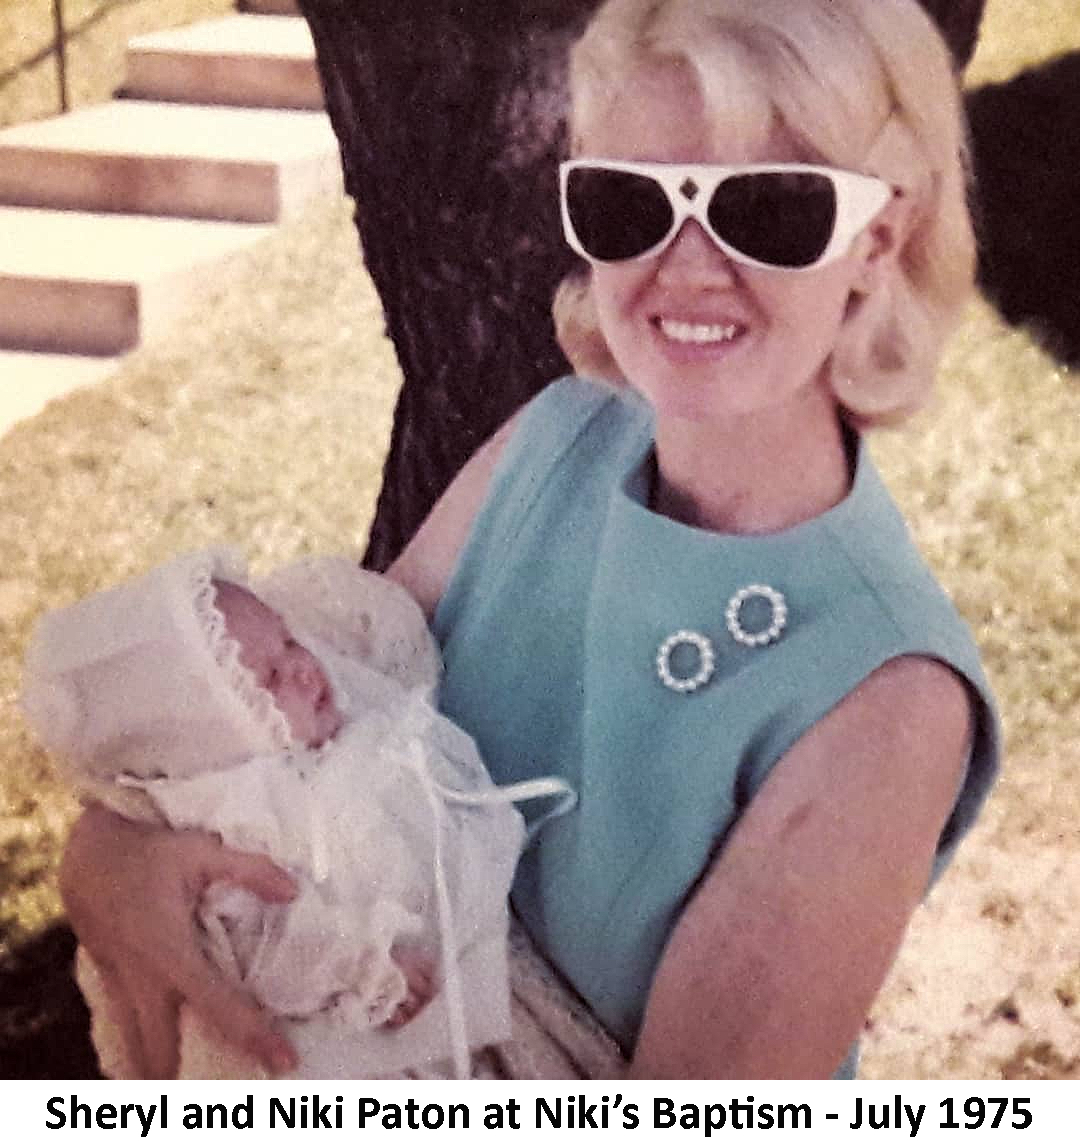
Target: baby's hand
x=418 y=968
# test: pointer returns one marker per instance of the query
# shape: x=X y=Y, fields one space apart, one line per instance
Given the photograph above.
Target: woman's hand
x=131 y=891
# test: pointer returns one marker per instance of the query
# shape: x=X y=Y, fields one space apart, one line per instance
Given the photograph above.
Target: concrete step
x=270 y=7
x=29 y=381
x=246 y=60
x=98 y=284
x=254 y=165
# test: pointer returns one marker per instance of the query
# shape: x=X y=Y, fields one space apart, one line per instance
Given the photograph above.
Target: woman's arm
x=131 y=892
x=776 y=960
x=425 y=565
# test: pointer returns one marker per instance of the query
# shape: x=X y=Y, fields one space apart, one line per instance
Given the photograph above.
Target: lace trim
x=363 y=616
x=225 y=566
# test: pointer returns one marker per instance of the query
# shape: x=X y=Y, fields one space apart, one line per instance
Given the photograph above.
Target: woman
x=691 y=595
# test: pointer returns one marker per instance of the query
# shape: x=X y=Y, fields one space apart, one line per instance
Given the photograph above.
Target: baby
x=302 y=692
x=295 y=718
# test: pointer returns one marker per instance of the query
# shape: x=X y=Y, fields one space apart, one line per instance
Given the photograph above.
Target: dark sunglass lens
x=784 y=219
x=616 y=214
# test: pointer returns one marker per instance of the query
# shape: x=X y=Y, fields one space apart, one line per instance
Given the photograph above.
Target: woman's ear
x=879 y=246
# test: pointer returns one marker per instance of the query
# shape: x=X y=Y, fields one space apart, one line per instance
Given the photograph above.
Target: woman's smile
x=688 y=340
x=697 y=333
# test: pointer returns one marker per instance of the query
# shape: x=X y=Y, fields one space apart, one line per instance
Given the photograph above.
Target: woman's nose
x=693 y=256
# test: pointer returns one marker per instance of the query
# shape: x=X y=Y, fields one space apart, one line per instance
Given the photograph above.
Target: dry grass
x=264 y=420
x=988 y=478
x=1017 y=34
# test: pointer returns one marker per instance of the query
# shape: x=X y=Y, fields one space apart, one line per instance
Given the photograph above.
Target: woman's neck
x=756 y=474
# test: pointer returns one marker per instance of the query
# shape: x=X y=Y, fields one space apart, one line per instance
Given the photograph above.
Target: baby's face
x=280 y=664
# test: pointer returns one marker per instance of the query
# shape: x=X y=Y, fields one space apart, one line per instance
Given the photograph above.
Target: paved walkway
x=112 y=217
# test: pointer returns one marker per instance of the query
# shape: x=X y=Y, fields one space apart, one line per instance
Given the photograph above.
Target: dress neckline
x=637 y=476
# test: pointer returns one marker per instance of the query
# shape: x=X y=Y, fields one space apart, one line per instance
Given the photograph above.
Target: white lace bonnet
x=142 y=678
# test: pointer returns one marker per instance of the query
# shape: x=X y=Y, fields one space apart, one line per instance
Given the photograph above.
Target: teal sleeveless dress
x=550 y=626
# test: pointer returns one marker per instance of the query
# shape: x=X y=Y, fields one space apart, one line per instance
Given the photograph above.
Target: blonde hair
x=865 y=85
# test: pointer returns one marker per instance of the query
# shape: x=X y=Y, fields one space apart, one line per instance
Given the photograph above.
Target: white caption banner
x=78 y=1113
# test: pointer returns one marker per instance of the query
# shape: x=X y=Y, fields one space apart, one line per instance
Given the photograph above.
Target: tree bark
x=959 y=23
x=450 y=121
x=450 y=118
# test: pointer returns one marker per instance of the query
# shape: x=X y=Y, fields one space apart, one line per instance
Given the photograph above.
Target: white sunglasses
x=792 y=216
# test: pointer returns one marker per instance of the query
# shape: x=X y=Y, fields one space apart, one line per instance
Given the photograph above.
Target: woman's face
x=702 y=337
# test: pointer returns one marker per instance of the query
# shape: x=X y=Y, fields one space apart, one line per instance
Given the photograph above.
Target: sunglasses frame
x=859 y=198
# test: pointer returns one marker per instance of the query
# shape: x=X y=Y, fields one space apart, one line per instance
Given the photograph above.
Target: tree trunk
x=450 y=120
x=959 y=23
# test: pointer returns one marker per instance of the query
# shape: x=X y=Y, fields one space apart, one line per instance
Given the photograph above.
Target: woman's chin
x=702 y=400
